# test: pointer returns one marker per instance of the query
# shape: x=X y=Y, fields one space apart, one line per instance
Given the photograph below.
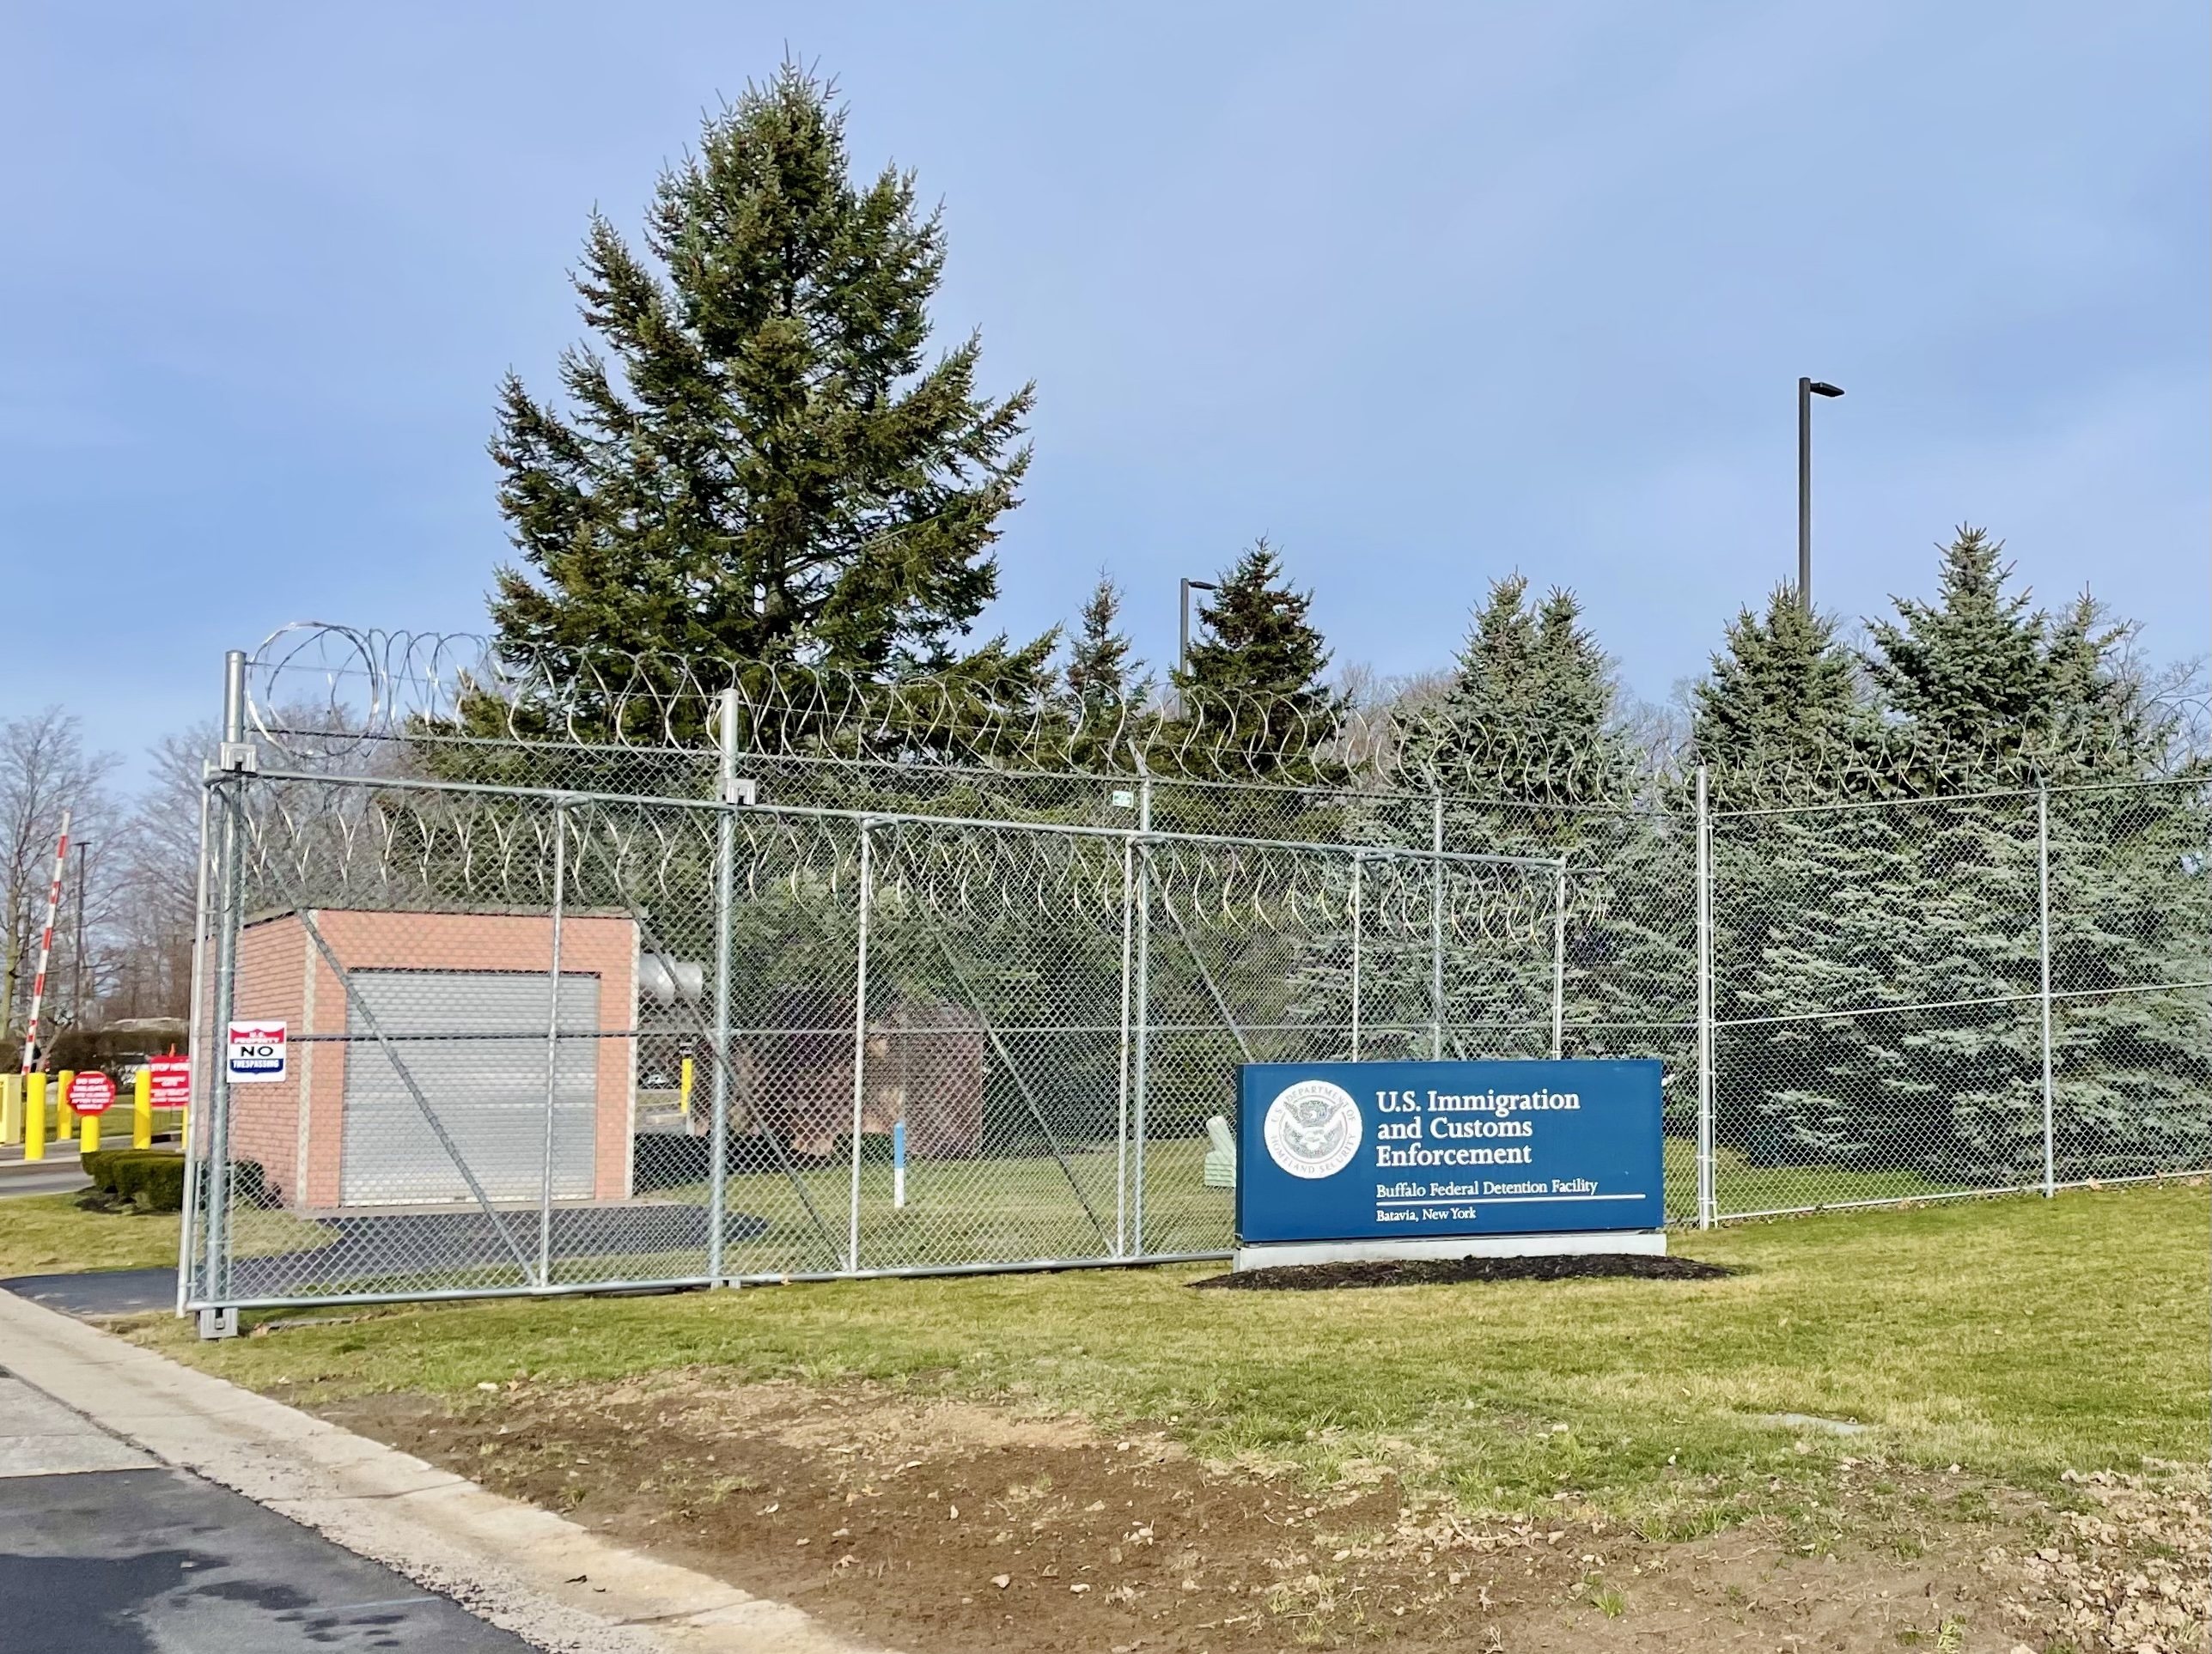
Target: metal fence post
x=1436 y=932
x=1559 y=961
x=725 y=869
x=553 y=1048
x=2043 y=906
x=860 y=1042
x=1143 y=1008
x=1121 y=1065
x=1708 y=1193
x=194 y=1124
x=1358 y=926
x=235 y=760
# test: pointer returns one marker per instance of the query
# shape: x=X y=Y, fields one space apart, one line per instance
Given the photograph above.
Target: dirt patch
x=1435 y=1272
x=945 y=1527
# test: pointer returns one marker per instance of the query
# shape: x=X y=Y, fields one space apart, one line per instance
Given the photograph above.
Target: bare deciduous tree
x=44 y=769
x=148 y=955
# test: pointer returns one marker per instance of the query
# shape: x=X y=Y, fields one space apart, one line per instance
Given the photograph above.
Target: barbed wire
x=338 y=843
x=343 y=697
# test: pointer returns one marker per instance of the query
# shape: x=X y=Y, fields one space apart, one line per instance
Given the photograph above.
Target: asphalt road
x=103 y=1551
x=99 y=1292
x=58 y=1175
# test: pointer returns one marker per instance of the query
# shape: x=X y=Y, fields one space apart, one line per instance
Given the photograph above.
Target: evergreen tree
x=1526 y=754
x=1933 y=900
x=1253 y=678
x=1783 y=712
x=1531 y=731
x=1107 y=686
x=1783 y=717
x=761 y=467
x=1531 y=718
x=1103 y=669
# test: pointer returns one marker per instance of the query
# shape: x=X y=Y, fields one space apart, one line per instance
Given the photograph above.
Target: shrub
x=153 y=1180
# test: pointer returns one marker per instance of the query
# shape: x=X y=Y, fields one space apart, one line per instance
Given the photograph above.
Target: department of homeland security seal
x=1313 y=1128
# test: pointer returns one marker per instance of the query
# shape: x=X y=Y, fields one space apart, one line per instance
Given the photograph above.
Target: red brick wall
x=270 y=982
x=281 y=974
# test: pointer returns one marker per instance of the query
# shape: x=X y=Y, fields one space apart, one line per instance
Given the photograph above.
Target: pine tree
x=1970 y=670
x=761 y=467
x=1106 y=684
x=1526 y=753
x=1530 y=719
x=1253 y=679
x=1782 y=717
x=1533 y=724
x=1933 y=900
x=1782 y=713
x=1103 y=669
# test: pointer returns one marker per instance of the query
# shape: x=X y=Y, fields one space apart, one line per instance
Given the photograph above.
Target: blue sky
x=1427 y=294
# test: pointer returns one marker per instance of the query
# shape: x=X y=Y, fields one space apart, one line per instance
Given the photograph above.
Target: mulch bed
x=1436 y=1272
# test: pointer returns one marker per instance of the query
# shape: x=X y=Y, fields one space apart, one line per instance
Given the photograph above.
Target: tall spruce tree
x=1103 y=671
x=1933 y=900
x=1783 y=713
x=1106 y=684
x=1526 y=754
x=1993 y=691
x=1253 y=679
x=1783 y=717
x=1530 y=748
x=1530 y=716
x=756 y=461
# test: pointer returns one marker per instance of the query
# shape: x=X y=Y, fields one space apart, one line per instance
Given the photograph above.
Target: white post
x=1708 y=1194
x=859 y=1045
x=718 y=1075
x=2042 y=901
x=1559 y=961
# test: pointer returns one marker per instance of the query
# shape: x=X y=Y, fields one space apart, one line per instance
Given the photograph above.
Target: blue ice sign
x=1370 y=1150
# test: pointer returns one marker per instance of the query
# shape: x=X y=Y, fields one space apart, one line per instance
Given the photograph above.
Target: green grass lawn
x=42 y=1234
x=1004 y=1209
x=1739 y=1186
x=2014 y=1337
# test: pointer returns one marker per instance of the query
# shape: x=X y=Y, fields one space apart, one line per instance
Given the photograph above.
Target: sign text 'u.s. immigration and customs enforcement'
x=1368 y=1151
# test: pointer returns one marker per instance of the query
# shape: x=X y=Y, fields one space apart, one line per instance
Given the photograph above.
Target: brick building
x=452 y=1011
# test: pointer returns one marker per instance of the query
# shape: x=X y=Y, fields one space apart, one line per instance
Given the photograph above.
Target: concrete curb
x=526 y=1570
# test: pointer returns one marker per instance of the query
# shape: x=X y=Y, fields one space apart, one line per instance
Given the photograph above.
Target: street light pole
x=1807 y=390
x=1183 y=650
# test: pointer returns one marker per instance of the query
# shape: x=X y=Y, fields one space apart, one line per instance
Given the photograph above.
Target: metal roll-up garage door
x=475 y=1044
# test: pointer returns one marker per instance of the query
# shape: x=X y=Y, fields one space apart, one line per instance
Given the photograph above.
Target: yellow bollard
x=89 y=1134
x=686 y=1094
x=141 y=1108
x=64 y=1116
x=34 y=1117
x=11 y=1107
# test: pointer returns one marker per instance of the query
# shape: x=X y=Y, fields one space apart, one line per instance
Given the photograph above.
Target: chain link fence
x=1921 y=998
x=649 y=983
x=544 y=1040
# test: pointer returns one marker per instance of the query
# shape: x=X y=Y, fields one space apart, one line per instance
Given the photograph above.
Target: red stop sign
x=92 y=1092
